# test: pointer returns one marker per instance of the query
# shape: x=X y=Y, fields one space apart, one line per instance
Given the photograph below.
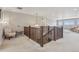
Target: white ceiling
x=49 y=12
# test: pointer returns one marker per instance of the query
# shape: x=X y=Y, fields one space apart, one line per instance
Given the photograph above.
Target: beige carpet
x=70 y=43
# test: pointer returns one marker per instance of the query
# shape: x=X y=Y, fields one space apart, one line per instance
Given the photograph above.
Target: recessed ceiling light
x=75 y=9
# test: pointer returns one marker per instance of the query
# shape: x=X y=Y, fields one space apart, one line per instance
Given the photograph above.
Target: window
x=77 y=21
x=74 y=21
x=69 y=22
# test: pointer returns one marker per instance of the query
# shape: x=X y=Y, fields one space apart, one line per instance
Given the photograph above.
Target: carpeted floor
x=70 y=43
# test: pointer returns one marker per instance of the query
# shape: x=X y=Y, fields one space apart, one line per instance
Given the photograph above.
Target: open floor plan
x=39 y=29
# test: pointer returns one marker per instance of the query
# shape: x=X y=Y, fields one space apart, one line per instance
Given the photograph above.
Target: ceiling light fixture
x=19 y=8
x=75 y=9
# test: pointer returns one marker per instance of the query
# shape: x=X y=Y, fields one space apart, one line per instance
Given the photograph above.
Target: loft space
x=40 y=28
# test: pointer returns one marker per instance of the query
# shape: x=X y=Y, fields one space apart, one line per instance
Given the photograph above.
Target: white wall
x=20 y=19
